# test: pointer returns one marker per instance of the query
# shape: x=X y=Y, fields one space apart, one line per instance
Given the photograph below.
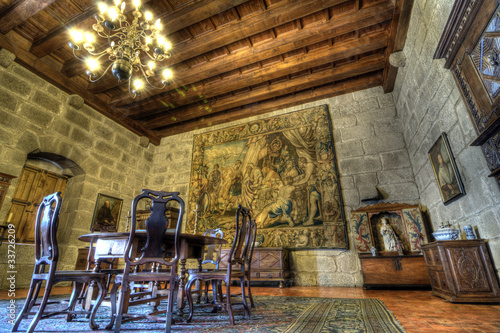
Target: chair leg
x=112 y=299
x=170 y=307
x=189 y=297
x=77 y=289
x=119 y=311
x=228 y=302
x=43 y=303
x=100 y=298
x=250 y=294
x=244 y=298
x=33 y=292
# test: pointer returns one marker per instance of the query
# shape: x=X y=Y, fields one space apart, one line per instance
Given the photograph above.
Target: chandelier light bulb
x=167 y=45
x=89 y=37
x=138 y=84
x=102 y=7
x=113 y=13
x=161 y=40
x=149 y=16
x=92 y=64
x=158 y=24
x=137 y=4
x=148 y=40
x=117 y=3
x=123 y=7
x=151 y=65
x=167 y=73
x=76 y=35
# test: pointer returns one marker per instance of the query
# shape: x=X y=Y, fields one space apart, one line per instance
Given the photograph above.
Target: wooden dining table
x=111 y=245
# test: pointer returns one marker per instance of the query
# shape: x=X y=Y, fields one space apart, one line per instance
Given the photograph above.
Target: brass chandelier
x=130 y=46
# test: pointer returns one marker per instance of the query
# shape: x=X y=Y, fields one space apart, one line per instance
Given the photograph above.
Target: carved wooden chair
x=211 y=256
x=47 y=254
x=235 y=269
x=153 y=253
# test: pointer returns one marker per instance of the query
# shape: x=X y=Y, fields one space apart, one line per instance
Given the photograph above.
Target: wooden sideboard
x=389 y=271
x=268 y=264
x=461 y=271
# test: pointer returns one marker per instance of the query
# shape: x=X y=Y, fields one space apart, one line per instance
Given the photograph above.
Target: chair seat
x=73 y=276
x=221 y=275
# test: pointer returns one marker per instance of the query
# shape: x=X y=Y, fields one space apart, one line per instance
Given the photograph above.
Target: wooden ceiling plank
x=300 y=98
x=20 y=12
x=280 y=45
x=290 y=65
x=175 y=21
x=233 y=32
x=399 y=30
x=364 y=66
x=48 y=73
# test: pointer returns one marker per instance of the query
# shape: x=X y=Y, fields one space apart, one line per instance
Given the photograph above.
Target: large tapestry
x=283 y=169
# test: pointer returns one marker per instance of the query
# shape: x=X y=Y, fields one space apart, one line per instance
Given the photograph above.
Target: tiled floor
x=416 y=310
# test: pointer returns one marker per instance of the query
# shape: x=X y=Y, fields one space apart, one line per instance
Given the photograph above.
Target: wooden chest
x=268 y=264
x=461 y=271
x=394 y=271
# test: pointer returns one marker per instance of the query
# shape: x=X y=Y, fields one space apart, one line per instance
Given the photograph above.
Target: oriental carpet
x=271 y=314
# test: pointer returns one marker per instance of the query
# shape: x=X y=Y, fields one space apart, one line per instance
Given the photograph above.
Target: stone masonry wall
x=36 y=115
x=430 y=103
x=371 y=152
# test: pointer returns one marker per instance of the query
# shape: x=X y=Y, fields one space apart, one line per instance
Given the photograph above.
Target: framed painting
x=283 y=169
x=446 y=171
x=106 y=213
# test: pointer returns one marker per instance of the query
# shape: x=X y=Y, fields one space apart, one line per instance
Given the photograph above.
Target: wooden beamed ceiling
x=231 y=59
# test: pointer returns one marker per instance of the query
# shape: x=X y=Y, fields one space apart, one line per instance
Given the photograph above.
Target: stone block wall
x=371 y=151
x=430 y=103
x=34 y=115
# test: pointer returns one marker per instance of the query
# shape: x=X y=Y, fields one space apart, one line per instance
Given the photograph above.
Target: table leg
x=180 y=292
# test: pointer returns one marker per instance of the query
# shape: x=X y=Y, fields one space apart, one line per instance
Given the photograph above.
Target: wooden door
x=34 y=184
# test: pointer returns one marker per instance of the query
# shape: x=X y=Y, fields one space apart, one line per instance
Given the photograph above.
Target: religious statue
x=390 y=239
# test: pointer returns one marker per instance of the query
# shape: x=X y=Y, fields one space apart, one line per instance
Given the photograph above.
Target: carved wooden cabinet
x=268 y=264
x=461 y=271
x=389 y=271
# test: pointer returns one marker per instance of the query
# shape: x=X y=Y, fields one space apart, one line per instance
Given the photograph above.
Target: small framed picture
x=106 y=213
x=446 y=171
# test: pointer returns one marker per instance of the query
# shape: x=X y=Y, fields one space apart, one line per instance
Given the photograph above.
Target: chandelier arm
x=77 y=57
x=100 y=77
x=147 y=80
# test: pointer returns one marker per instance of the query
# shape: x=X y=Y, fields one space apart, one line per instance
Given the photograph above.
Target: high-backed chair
x=154 y=253
x=211 y=255
x=235 y=269
x=47 y=254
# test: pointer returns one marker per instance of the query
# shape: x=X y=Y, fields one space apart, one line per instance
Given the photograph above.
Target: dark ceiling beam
x=364 y=82
x=290 y=65
x=42 y=69
x=365 y=65
x=309 y=35
x=399 y=29
x=19 y=12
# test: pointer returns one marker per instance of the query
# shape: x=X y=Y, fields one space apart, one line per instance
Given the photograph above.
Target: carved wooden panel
x=470 y=274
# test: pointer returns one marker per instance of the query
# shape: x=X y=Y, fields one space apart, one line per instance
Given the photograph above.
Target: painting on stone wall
x=283 y=169
x=446 y=171
x=106 y=213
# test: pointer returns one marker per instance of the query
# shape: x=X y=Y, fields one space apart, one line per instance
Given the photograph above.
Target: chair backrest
x=236 y=253
x=250 y=244
x=46 y=223
x=213 y=251
x=156 y=225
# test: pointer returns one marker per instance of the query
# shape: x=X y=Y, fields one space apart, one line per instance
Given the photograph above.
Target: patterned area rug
x=271 y=314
